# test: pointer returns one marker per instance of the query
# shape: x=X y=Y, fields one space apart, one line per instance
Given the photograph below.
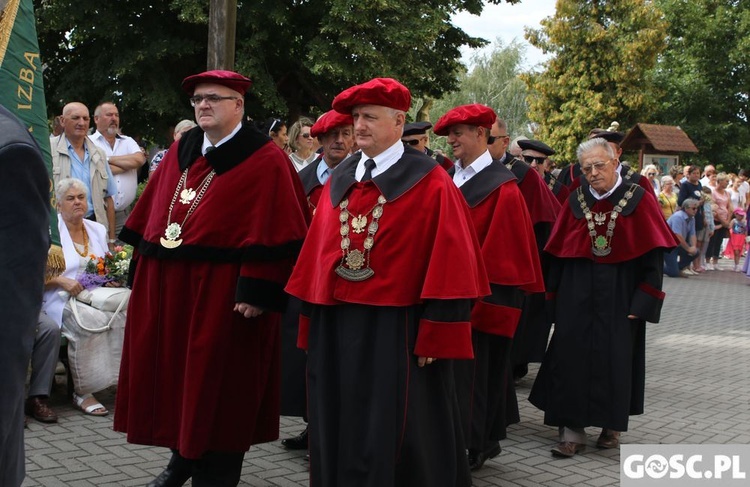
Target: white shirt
x=464 y=174
x=207 y=143
x=126 y=182
x=383 y=161
x=608 y=193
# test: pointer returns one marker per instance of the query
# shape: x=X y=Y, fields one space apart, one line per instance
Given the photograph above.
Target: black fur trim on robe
x=240 y=147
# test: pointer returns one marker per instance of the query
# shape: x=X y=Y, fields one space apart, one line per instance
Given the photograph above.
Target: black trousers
x=213 y=469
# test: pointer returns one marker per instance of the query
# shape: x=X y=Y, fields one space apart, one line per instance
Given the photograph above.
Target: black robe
x=593 y=372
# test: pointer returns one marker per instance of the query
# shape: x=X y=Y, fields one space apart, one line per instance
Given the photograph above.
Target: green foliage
x=705 y=76
x=494 y=80
x=299 y=54
x=603 y=52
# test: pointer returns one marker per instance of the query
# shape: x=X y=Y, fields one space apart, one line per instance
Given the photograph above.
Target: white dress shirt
x=126 y=182
x=383 y=161
x=464 y=174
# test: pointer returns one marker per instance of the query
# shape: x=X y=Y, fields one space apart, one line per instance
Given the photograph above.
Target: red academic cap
x=475 y=114
x=230 y=79
x=329 y=121
x=386 y=92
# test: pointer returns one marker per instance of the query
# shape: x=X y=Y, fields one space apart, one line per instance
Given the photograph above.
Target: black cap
x=609 y=136
x=416 y=128
x=537 y=145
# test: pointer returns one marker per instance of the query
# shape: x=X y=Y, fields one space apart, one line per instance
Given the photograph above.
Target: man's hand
x=247 y=310
x=422 y=361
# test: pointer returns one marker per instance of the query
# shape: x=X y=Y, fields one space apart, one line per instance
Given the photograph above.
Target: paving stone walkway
x=697 y=391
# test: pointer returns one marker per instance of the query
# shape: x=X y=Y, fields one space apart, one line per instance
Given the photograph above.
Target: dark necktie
x=369 y=164
x=210 y=148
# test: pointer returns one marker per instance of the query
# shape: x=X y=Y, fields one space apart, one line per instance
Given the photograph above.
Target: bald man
x=74 y=155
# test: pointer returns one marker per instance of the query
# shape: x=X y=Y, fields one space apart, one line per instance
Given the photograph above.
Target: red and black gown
x=376 y=419
x=594 y=370
x=197 y=376
x=506 y=236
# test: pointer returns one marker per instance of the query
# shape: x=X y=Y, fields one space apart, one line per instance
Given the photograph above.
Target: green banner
x=21 y=82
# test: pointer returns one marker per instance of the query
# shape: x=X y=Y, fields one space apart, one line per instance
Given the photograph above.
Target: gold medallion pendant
x=355 y=263
x=171 y=233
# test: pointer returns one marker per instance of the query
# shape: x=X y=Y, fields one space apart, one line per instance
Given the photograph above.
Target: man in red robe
x=387 y=274
x=605 y=283
x=336 y=136
x=216 y=232
x=506 y=237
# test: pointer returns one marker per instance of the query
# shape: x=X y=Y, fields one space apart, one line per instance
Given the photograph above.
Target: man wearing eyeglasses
x=543 y=208
x=415 y=136
x=605 y=282
x=507 y=240
x=217 y=230
x=572 y=177
x=536 y=154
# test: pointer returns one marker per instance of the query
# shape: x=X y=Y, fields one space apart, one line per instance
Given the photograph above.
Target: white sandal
x=96 y=409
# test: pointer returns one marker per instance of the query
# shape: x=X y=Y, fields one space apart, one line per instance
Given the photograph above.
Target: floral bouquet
x=113 y=267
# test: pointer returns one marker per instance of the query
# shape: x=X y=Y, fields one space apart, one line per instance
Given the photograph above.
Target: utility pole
x=222 y=25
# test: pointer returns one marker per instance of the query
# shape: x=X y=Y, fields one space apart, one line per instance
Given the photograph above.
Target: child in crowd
x=737 y=234
x=704 y=235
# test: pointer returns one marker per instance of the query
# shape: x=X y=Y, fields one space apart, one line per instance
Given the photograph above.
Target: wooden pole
x=222 y=25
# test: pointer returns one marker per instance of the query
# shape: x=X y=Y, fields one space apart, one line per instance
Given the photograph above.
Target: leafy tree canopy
x=493 y=80
x=299 y=53
x=705 y=76
x=603 y=52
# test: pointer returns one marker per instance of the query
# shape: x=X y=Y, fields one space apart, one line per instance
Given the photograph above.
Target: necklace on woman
x=85 y=252
x=601 y=245
x=187 y=195
x=355 y=264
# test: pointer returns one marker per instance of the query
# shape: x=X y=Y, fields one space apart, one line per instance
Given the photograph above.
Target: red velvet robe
x=196 y=376
x=424 y=250
x=375 y=417
x=511 y=258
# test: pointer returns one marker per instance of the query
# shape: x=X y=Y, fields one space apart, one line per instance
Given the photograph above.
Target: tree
x=705 y=76
x=494 y=80
x=299 y=54
x=603 y=51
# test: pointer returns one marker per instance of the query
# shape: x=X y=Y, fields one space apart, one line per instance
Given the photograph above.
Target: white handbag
x=112 y=299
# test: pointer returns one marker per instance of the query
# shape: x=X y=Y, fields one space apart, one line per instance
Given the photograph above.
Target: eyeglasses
x=652 y=174
x=306 y=136
x=411 y=142
x=491 y=139
x=538 y=160
x=210 y=99
x=597 y=165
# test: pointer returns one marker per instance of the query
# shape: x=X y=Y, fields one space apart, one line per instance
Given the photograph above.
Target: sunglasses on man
x=531 y=159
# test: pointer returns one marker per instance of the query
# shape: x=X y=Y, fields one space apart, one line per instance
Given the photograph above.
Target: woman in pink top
x=722 y=209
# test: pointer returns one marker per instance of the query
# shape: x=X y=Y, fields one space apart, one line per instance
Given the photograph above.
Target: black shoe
x=298 y=442
x=178 y=471
x=170 y=478
x=477 y=458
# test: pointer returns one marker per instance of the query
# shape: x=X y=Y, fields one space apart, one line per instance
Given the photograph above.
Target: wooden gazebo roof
x=662 y=138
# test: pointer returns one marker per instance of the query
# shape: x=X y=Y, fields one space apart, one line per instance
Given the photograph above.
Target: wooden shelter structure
x=660 y=145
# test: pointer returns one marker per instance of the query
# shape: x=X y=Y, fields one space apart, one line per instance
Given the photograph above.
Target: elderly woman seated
x=94 y=336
